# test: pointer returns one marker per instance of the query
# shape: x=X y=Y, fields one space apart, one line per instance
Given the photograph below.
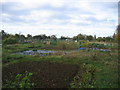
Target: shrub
x=87 y=44
x=62 y=45
x=21 y=81
x=67 y=45
x=86 y=79
x=10 y=40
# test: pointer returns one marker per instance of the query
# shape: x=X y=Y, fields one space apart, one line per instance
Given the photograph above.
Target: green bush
x=86 y=79
x=21 y=81
x=10 y=40
x=87 y=44
x=64 y=45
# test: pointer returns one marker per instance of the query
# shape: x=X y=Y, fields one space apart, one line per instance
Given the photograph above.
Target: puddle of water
x=105 y=50
x=41 y=52
x=82 y=48
x=48 y=52
x=37 y=52
x=45 y=51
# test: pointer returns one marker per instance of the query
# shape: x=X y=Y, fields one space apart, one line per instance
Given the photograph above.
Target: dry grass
x=71 y=55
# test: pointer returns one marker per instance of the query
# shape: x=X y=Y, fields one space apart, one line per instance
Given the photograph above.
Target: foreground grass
x=100 y=69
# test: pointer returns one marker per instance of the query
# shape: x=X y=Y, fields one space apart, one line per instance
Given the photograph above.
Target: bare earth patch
x=45 y=74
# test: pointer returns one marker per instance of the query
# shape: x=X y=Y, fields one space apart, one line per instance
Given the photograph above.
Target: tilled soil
x=45 y=74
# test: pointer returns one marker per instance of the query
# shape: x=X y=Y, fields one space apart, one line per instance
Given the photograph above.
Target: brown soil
x=45 y=74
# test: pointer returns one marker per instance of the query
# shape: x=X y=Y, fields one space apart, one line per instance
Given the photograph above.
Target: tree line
x=20 y=38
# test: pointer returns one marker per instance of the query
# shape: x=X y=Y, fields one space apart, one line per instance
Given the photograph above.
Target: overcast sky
x=59 y=17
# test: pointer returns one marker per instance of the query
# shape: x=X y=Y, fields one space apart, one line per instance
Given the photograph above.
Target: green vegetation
x=88 y=78
x=97 y=69
x=96 y=65
x=21 y=81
